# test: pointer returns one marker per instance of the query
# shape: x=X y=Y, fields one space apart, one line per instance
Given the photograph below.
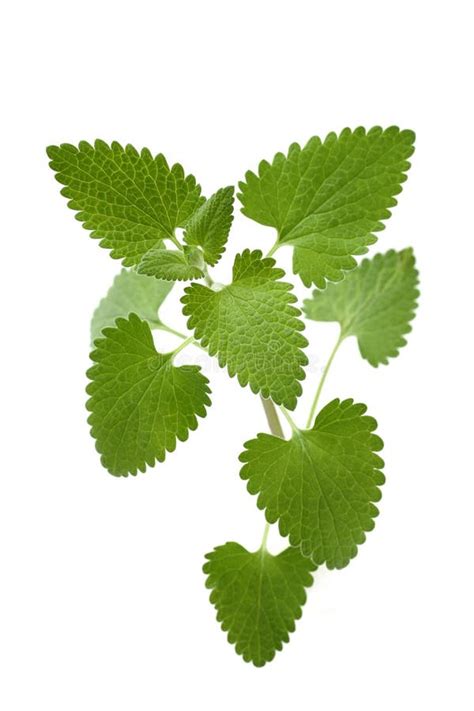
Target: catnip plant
x=326 y=201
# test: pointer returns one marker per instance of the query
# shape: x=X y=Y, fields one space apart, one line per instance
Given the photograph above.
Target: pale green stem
x=272 y=417
x=183 y=345
x=276 y=429
x=263 y=545
x=288 y=418
x=176 y=242
x=322 y=381
x=168 y=329
x=207 y=276
x=273 y=249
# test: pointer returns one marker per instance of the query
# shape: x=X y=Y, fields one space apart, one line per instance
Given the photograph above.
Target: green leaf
x=129 y=200
x=375 y=303
x=320 y=484
x=140 y=403
x=209 y=227
x=172 y=265
x=328 y=198
x=129 y=293
x=252 y=327
x=257 y=596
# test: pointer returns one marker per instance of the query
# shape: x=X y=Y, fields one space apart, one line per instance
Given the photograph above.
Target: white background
x=103 y=606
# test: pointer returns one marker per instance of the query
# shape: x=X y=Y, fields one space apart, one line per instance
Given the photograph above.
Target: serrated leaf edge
x=243 y=375
x=376 y=446
x=181 y=437
x=213 y=600
x=102 y=146
x=402 y=342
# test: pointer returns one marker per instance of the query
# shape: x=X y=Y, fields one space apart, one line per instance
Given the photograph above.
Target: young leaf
x=129 y=293
x=320 y=484
x=257 y=596
x=209 y=227
x=328 y=198
x=129 y=200
x=375 y=303
x=140 y=403
x=252 y=327
x=172 y=265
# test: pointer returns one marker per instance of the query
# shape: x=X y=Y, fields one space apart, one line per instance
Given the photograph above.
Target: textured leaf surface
x=328 y=198
x=128 y=200
x=172 y=265
x=375 y=303
x=252 y=327
x=130 y=293
x=209 y=227
x=320 y=484
x=258 y=597
x=140 y=403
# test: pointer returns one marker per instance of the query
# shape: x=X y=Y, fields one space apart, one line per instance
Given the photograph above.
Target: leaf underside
x=375 y=303
x=140 y=403
x=128 y=200
x=252 y=327
x=258 y=597
x=321 y=484
x=130 y=293
x=329 y=198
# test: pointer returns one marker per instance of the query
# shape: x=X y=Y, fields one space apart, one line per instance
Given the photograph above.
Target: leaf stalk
x=324 y=375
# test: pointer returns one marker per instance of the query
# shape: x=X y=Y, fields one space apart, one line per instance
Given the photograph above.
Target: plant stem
x=312 y=412
x=273 y=249
x=288 y=418
x=263 y=545
x=272 y=417
x=176 y=242
x=182 y=345
x=276 y=429
x=207 y=277
x=168 y=329
x=178 y=334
